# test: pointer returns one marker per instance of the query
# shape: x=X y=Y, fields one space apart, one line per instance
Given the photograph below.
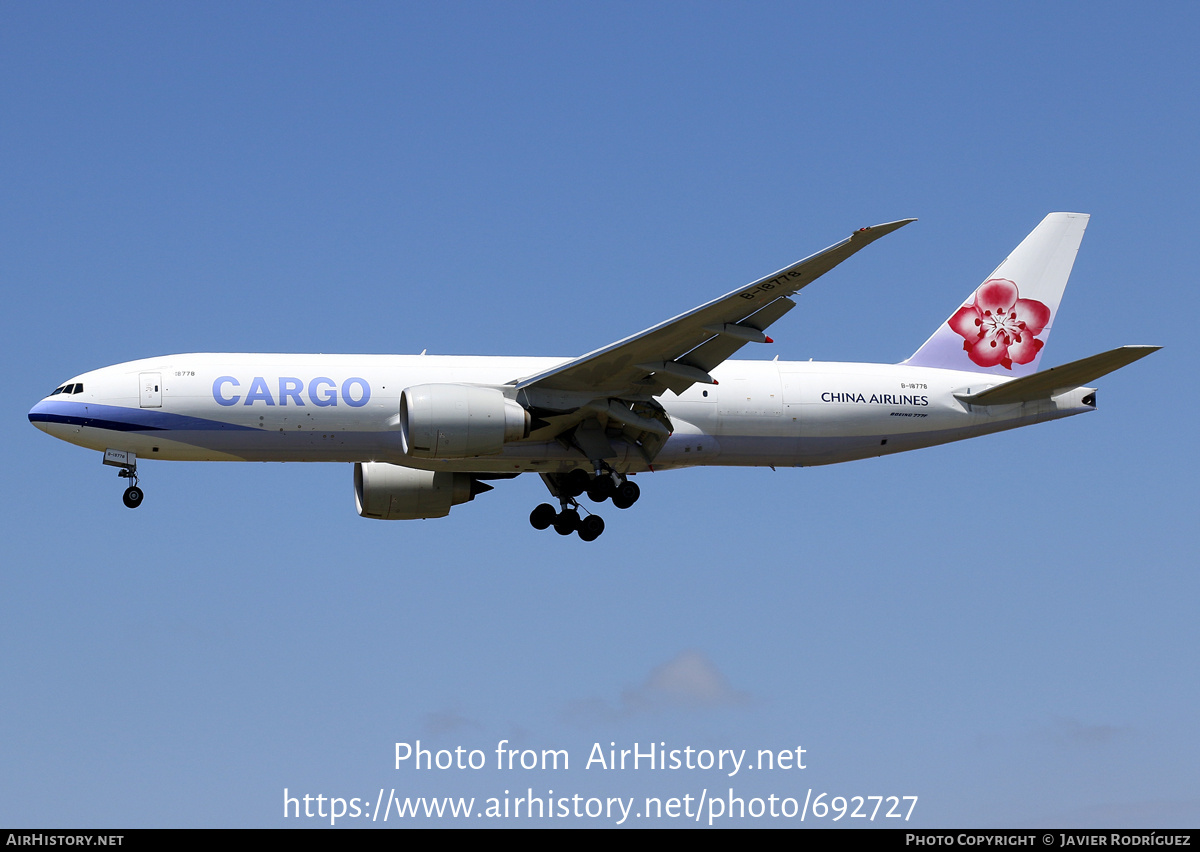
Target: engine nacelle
x=458 y=421
x=390 y=492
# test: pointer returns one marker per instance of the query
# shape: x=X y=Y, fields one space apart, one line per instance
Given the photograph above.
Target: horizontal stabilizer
x=1058 y=380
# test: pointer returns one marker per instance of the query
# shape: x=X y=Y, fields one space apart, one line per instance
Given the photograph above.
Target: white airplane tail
x=1003 y=326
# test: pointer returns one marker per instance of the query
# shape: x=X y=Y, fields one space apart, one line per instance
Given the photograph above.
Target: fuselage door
x=151 y=390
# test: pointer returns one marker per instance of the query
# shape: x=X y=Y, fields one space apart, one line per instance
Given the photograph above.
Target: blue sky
x=1004 y=627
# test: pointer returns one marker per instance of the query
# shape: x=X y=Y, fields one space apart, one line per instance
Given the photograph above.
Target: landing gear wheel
x=591 y=527
x=576 y=482
x=626 y=495
x=601 y=488
x=566 y=522
x=542 y=517
x=132 y=497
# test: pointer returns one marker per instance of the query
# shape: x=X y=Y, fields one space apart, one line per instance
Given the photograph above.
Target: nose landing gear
x=132 y=498
x=127 y=462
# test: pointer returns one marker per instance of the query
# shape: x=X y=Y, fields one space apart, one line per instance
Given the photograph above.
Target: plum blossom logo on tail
x=999 y=327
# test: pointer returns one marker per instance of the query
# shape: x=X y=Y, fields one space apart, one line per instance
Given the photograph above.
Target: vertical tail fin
x=1003 y=326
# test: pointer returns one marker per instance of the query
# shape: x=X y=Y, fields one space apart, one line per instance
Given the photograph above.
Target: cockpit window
x=78 y=387
x=58 y=390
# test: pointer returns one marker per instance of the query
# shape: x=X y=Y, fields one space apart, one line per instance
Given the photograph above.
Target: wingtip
x=899 y=223
x=876 y=231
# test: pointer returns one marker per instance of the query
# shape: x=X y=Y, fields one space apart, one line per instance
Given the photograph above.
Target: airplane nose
x=41 y=417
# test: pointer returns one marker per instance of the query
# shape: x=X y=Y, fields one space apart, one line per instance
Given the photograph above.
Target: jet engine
x=390 y=492
x=458 y=421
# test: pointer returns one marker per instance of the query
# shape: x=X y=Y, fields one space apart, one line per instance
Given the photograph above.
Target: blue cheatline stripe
x=119 y=419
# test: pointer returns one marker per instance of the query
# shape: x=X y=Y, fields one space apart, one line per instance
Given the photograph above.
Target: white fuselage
x=345 y=408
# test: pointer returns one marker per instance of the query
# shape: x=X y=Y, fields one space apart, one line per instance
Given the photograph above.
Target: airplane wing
x=1057 y=380
x=681 y=351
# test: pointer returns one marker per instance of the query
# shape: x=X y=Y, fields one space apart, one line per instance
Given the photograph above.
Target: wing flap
x=1049 y=383
x=720 y=348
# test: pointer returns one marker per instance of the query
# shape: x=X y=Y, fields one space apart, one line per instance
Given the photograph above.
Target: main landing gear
x=605 y=485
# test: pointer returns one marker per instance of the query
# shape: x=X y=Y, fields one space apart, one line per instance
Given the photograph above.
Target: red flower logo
x=1001 y=327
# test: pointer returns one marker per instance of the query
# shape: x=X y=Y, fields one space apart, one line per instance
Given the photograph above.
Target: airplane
x=426 y=433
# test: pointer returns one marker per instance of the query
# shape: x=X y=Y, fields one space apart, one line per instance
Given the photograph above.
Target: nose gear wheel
x=132 y=498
